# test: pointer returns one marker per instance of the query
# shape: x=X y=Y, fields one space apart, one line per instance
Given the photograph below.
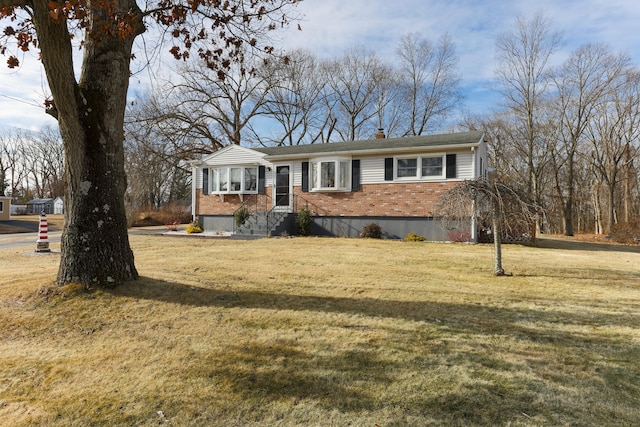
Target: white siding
x=232 y=155
x=268 y=177
x=297 y=174
x=372 y=170
x=58 y=206
x=199 y=177
x=235 y=155
x=371 y=167
x=464 y=163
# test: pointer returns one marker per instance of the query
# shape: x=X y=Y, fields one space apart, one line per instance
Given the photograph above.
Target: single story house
x=394 y=182
x=5 y=208
x=37 y=206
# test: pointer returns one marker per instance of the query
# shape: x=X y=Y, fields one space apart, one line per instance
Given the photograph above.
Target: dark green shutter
x=451 y=166
x=205 y=181
x=355 y=175
x=388 y=169
x=261 y=175
x=305 y=176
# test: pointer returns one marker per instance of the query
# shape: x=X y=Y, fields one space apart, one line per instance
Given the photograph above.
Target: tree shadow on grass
x=347 y=380
x=478 y=318
x=350 y=379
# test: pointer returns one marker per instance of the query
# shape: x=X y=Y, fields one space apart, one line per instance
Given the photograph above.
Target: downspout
x=194 y=184
x=194 y=200
x=474 y=222
x=474 y=214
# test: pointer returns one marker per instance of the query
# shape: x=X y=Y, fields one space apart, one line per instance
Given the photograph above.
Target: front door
x=282 y=191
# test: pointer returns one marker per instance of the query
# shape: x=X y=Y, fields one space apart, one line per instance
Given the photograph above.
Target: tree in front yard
x=90 y=109
x=506 y=208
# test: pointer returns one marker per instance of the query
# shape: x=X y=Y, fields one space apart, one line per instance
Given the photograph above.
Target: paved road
x=29 y=239
x=26 y=239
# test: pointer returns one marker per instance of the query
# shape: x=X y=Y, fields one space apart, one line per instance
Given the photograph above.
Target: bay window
x=236 y=179
x=223 y=181
x=250 y=180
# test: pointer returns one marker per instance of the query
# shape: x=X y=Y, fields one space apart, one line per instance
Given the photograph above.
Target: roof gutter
x=443 y=147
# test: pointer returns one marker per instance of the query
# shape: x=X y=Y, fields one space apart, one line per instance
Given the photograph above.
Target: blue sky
x=331 y=26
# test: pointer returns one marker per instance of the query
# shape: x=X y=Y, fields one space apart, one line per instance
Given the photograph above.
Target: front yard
x=326 y=332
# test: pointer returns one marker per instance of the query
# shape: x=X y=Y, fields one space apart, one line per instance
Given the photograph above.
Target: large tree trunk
x=95 y=245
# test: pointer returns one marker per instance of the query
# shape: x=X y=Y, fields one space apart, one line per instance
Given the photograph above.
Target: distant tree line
x=567 y=130
x=31 y=164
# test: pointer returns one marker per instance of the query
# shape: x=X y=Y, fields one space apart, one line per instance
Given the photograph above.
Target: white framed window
x=330 y=174
x=432 y=167
x=407 y=168
x=420 y=167
x=223 y=180
x=250 y=180
x=234 y=180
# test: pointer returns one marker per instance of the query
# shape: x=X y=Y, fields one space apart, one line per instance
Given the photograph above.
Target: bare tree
x=390 y=106
x=218 y=106
x=32 y=163
x=353 y=91
x=4 y=164
x=154 y=155
x=615 y=125
x=293 y=92
x=523 y=55
x=50 y=153
x=507 y=209
x=430 y=77
x=582 y=83
x=12 y=156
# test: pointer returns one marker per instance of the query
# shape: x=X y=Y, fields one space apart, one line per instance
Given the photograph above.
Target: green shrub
x=304 y=218
x=371 y=231
x=413 y=237
x=241 y=215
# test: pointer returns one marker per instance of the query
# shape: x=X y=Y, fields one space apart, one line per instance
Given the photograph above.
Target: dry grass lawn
x=326 y=332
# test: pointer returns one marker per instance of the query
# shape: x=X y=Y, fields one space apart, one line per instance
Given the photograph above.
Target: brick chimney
x=380 y=134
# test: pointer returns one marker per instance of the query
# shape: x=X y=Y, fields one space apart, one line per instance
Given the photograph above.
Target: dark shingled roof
x=386 y=144
x=38 y=201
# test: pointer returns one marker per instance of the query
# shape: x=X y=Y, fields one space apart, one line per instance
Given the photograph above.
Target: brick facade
x=214 y=204
x=390 y=200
